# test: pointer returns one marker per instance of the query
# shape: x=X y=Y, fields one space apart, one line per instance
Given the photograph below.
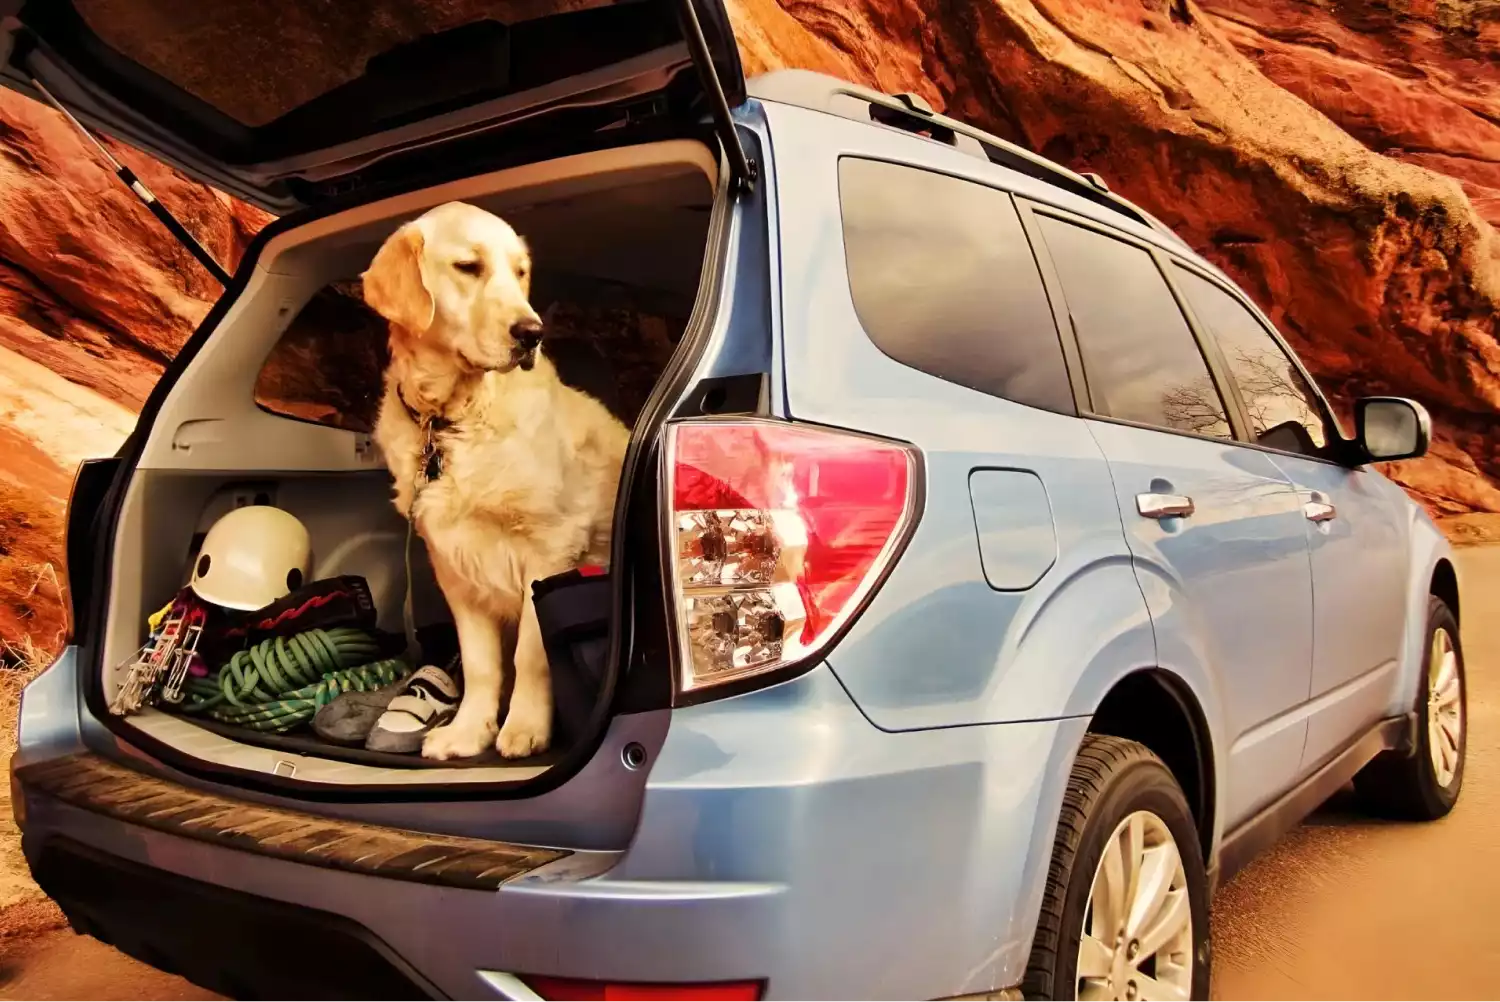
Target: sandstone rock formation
x=91 y=285
x=1340 y=160
x=1380 y=270
x=93 y=289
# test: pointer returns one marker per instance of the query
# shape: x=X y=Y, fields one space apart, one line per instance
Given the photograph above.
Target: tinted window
x=944 y=281
x=328 y=366
x=1283 y=410
x=1139 y=355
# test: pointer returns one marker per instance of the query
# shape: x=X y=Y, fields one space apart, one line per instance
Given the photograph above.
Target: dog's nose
x=527 y=334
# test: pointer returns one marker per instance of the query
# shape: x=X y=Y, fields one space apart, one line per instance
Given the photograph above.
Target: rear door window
x=1140 y=358
x=944 y=280
x=1284 y=411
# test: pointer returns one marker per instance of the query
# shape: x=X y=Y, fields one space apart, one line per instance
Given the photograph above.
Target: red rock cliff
x=1340 y=160
x=1319 y=153
x=96 y=292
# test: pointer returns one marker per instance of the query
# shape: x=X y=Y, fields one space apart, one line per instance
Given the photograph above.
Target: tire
x=1115 y=782
x=1413 y=786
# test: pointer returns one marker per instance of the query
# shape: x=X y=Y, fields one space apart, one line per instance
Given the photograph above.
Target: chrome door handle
x=1318 y=508
x=1164 y=505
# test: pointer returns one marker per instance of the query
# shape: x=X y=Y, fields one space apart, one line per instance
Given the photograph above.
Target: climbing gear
x=161 y=666
x=300 y=705
x=282 y=681
x=430 y=699
x=351 y=716
x=154 y=621
x=326 y=604
x=184 y=658
x=251 y=557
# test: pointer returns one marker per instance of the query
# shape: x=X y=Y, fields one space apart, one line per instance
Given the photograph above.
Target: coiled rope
x=282 y=681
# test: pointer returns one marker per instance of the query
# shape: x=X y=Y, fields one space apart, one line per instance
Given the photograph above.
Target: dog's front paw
x=527 y=731
x=459 y=739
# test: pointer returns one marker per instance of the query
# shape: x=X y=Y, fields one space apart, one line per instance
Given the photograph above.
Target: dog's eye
x=469 y=267
x=521 y=270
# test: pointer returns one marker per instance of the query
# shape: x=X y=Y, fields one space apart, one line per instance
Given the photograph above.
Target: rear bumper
x=782 y=839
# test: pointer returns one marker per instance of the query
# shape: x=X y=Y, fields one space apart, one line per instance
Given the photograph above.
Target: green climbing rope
x=281 y=682
x=299 y=705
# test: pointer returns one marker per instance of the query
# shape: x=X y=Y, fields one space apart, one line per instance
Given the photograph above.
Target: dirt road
x=1343 y=907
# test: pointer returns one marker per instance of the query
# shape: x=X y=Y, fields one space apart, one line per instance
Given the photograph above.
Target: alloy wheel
x=1445 y=708
x=1137 y=940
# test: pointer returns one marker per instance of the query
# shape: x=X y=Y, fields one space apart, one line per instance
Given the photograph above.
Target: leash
x=408 y=610
x=430 y=469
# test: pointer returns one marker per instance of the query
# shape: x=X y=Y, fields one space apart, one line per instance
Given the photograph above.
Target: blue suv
x=990 y=580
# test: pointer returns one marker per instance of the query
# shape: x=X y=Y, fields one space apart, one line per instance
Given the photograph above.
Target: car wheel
x=1125 y=912
x=1423 y=784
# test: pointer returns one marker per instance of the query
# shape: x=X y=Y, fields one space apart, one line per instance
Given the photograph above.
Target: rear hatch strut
x=145 y=194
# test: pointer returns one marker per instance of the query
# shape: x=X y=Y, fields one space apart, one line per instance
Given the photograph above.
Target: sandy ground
x=67 y=422
x=47 y=426
x=1343 y=907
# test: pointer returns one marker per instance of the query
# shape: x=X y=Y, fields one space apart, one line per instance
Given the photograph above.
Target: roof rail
x=821 y=92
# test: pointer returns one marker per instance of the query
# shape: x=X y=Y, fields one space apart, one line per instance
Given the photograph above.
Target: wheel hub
x=1137 y=940
x=1445 y=710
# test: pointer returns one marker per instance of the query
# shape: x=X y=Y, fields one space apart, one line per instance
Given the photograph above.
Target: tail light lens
x=569 y=989
x=779 y=531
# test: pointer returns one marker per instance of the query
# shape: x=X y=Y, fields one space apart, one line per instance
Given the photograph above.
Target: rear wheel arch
x=1156 y=709
x=1445 y=585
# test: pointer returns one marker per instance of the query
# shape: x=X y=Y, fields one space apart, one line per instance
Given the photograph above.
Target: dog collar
x=431 y=425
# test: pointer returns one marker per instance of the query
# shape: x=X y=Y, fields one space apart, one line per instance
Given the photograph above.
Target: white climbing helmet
x=251 y=557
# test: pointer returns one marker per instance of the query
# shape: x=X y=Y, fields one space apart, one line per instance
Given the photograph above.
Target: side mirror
x=1390 y=428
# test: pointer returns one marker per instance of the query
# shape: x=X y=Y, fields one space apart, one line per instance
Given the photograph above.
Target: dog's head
x=458 y=278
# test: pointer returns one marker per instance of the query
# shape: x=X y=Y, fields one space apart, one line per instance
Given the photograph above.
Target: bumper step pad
x=95 y=784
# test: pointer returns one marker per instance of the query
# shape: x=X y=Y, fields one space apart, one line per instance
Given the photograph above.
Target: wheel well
x=1445 y=586
x=1154 y=708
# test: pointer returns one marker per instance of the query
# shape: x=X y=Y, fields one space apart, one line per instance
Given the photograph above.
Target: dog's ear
x=395 y=286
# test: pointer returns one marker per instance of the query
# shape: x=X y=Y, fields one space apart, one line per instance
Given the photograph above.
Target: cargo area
x=277 y=407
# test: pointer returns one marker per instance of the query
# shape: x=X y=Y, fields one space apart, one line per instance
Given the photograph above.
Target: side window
x=944 y=280
x=327 y=366
x=1283 y=410
x=1139 y=356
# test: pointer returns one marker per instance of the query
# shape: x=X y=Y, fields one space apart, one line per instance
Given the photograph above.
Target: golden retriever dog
x=507 y=474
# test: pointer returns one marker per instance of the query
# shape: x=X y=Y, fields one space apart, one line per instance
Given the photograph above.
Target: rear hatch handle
x=742 y=169
x=145 y=194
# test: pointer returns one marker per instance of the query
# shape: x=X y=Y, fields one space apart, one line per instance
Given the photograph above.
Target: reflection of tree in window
x=1275 y=400
x=1195 y=407
x=1283 y=410
x=1139 y=357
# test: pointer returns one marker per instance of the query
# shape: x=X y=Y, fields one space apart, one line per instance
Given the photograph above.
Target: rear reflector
x=779 y=532
x=565 y=989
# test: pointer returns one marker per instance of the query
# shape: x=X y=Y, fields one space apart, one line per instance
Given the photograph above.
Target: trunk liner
x=304 y=745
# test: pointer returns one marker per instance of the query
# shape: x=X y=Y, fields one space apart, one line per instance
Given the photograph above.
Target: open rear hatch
x=311 y=109
x=287 y=104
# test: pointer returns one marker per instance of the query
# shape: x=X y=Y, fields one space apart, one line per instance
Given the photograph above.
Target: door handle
x=1164 y=505
x=1318 y=508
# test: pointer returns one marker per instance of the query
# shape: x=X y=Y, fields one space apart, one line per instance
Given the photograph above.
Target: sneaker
x=429 y=700
x=350 y=717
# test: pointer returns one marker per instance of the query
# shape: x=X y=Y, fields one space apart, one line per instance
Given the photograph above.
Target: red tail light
x=779 y=531
x=568 y=989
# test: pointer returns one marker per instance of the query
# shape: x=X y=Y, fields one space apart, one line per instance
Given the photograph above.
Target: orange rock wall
x=1341 y=160
x=1319 y=153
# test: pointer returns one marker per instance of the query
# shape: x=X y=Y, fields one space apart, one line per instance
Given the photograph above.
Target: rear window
x=944 y=281
x=328 y=365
